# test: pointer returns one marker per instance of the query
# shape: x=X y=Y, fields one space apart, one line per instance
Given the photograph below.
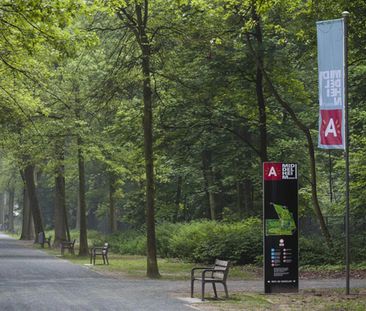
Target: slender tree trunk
x=77 y=224
x=60 y=200
x=27 y=221
x=112 y=205
x=137 y=22
x=11 y=209
x=33 y=199
x=178 y=195
x=2 y=211
x=210 y=183
x=259 y=86
x=83 y=250
x=248 y=196
x=152 y=265
x=67 y=224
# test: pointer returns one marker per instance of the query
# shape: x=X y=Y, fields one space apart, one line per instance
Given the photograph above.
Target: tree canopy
x=133 y=113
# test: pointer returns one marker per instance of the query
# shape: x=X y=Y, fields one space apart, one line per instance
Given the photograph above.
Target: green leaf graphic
x=285 y=225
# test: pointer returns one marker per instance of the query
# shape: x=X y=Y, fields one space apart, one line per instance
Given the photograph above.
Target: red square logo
x=272 y=171
x=330 y=130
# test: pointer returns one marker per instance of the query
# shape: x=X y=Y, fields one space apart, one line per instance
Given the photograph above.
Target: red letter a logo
x=272 y=171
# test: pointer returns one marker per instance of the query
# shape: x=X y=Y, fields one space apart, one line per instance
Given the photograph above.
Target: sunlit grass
x=135 y=266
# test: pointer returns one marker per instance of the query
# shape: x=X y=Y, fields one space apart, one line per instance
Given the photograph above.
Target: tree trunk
x=60 y=200
x=11 y=210
x=112 y=205
x=210 y=183
x=27 y=221
x=152 y=266
x=83 y=250
x=248 y=196
x=33 y=199
x=178 y=195
x=77 y=224
x=259 y=87
x=137 y=22
x=2 y=211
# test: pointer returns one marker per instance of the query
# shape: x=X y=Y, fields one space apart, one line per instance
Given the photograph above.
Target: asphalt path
x=30 y=279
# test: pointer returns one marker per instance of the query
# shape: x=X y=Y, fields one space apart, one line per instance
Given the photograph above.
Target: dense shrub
x=314 y=251
x=164 y=234
x=239 y=242
x=199 y=241
x=204 y=241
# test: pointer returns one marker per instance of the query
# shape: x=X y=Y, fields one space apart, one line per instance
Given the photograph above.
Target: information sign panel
x=280 y=221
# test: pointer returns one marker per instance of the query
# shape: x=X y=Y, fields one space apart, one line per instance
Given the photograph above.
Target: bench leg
x=214 y=288
x=226 y=292
x=192 y=287
x=203 y=291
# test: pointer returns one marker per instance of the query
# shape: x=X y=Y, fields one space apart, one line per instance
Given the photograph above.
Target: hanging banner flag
x=331 y=84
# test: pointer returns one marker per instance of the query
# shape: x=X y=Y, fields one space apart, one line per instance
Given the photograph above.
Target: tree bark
x=83 y=250
x=137 y=22
x=259 y=86
x=60 y=214
x=33 y=199
x=178 y=195
x=11 y=209
x=2 y=211
x=112 y=205
x=209 y=177
x=27 y=219
x=248 y=196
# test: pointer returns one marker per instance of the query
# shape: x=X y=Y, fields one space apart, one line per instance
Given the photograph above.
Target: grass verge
x=315 y=300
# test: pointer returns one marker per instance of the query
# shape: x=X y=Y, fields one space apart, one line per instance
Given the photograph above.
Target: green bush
x=240 y=242
x=199 y=241
x=164 y=233
x=314 y=251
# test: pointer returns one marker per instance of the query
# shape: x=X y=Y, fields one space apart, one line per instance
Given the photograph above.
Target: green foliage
x=313 y=251
x=240 y=242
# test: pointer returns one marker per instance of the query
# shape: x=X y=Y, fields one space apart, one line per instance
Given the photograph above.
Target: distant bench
x=100 y=251
x=68 y=245
x=43 y=240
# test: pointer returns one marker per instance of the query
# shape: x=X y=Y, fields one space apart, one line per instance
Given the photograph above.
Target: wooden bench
x=99 y=251
x=68 y=245
x=215 y=274
x=43 y=240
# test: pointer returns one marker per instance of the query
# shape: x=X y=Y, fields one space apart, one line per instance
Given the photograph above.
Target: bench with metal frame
x=43 y=240
x=215 y=274
x=68 y=245
x=99 y=251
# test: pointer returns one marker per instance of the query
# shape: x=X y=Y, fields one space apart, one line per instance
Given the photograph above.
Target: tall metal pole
x=345 y=16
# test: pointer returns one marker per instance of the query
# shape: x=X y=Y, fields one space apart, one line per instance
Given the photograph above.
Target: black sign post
x=280 y=224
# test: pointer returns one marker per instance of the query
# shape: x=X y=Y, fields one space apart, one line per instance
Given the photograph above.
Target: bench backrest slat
x=223 y=266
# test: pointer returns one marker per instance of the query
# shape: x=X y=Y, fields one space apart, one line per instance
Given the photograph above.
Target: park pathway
x=31 y=280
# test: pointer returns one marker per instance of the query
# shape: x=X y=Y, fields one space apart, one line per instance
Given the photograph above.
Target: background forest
x=152 y=118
